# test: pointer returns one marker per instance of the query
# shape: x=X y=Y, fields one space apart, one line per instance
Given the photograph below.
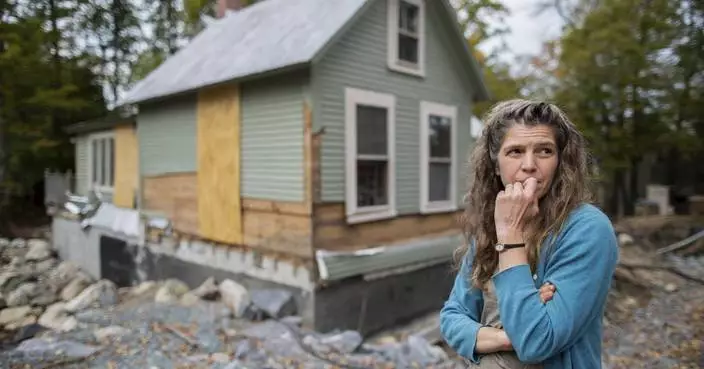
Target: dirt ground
x=655 y=316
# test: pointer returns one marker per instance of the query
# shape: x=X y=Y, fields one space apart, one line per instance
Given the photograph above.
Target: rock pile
x=54 y=314
x=35 y=287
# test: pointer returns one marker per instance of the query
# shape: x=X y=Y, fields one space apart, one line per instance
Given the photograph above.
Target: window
x=406 y=38
x=369 y=147
x=438 y=157
x=102 y=162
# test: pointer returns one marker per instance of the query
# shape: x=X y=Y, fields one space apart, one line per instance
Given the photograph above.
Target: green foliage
x=481 y=21
x=146 y=63
x=196 y=9
x=41 y=92
x=626 y=72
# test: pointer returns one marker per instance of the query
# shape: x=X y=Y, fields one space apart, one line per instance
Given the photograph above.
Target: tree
x=168 y=20
x=113 y=33
x=686 y=96
x=42 y=91
x=611 y=81
x=197 y=10
x=480 y=22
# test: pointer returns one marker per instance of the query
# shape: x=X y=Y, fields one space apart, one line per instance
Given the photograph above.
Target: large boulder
x=57 y=318
x=101 y=294
x=170 y=291
x=235 y=297
x=38 y=250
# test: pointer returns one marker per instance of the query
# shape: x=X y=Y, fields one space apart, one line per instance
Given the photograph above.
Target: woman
x=529 y=223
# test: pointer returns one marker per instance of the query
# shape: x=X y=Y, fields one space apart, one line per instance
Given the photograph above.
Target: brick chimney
x=225 y=5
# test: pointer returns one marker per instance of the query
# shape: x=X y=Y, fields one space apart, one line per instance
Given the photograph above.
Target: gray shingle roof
x=270 y=35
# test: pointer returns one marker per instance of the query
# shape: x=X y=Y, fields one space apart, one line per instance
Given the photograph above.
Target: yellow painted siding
x=126 y=166
x=219 y=204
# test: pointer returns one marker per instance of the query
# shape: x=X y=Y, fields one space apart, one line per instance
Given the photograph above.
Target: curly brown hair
x=569 y=188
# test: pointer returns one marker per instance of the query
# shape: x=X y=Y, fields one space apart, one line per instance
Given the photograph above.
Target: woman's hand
x=504 y=341
x=547 y=291
x=514 y=206
x=490 y=340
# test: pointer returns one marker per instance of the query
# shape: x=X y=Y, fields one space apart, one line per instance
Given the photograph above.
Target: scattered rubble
x=52 y=314
x=655 y=313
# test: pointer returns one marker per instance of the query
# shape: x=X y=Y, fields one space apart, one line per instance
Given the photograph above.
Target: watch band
x=500 y=247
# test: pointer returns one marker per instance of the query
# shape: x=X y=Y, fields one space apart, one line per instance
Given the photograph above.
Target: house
x=328 y=134
x=106 y=158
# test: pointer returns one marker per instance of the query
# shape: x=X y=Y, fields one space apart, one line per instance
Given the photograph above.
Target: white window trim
x=426 y=109
x=91 y=156
x=392 y=39
x=353 y=97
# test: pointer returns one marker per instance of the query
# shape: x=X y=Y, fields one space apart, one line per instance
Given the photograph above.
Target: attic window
x=408 y=32
x=406 y=39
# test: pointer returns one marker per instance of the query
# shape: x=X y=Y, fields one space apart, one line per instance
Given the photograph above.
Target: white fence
x=56 y=187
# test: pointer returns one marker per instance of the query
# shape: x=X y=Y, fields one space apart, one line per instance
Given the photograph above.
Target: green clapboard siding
x=359 y=60
x=82 y=163
x=166 y=132
x=272 y=138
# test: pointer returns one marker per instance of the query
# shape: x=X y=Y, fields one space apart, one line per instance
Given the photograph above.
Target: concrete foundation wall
x=248 y=262
x=354 y=303
x=79 y=245
x=190 y=261
x=370 y=306
x=193 y=261
x=165 y=266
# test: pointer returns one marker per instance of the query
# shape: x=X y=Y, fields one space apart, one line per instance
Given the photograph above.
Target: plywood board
x=219 y=209
x=331 y=231
x=284 y=227
x=126 y=166
x=175 y=196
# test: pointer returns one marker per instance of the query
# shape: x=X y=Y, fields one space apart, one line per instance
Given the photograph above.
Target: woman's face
x=528 y=151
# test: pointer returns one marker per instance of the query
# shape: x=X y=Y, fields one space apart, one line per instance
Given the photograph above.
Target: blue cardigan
x=564 y=333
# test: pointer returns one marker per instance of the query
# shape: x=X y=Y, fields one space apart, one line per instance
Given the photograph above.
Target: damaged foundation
x=58 y=316
x=364 y=290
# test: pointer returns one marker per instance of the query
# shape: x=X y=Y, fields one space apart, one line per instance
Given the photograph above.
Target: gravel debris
x=667 y=332
x=173 y=336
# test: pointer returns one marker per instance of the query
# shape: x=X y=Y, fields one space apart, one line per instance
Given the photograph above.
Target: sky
x=527 y=30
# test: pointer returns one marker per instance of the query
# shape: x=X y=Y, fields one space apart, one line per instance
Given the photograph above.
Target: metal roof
x=269 y=35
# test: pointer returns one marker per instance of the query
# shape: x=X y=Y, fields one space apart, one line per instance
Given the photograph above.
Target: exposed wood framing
x=278 y=226
x=333 y=233
x=126 y=166
x=219 y=212
x=308 y=157
x=174 y=195
x=312 y=176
